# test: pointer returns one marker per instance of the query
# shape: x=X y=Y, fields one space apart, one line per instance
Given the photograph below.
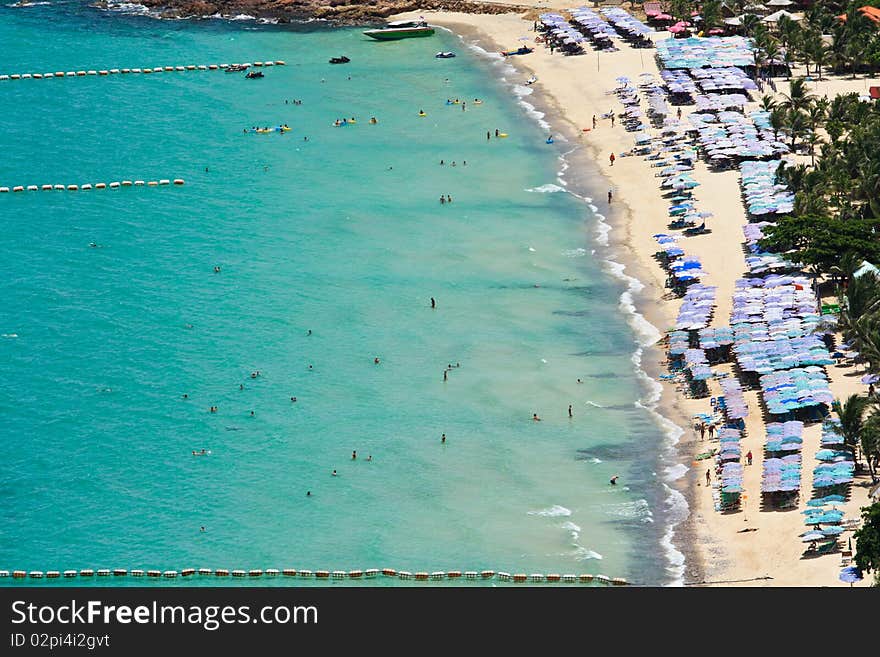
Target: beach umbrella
x=832 y=531
x=870 y=378
x=811 y=536
x=850 y=574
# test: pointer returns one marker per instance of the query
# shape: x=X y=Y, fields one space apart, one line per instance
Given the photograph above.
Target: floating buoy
x=212 y=67
x=4 y=77
x=52 y=574
x=619 y=581
x=19 y=574
x=355 y=574
x=70 y=573
x=152 y=183
x=154 y=573
x=32 y=188
x=536 y=577
x=104 y=572
x=404 y=574
x=371 y=572
x=86 y=572
x=126 y=183
x=91 y=72
x=585 y=578
x=137 y=573
x=170 y=574
x=60 y=187
x=100 y=185
x=178 y=181
x=504 y=577
x=114 y=71
x=389 y=572
x=258 y=63
x=114 y=185
x=289 y=572
x=170 y=68
x=119 y=572
x=338 y=574
x=18 y=188
x=138 y=182
x=103 y=72
x=322 y=574
x=36 y=574
x=221 y=572
x=4 y=190
x=238 y=573
x=305 y=573
x=15 y=76
x=135 y=70
x=255 y=573
x=46 y=188
x=438 y=575
x=38 y=76
x=205 y=571
x=603 y=579
x=164 y=181
x=421 y=576
x=470 y=574
x=267 y=64
x=186 y=572
x=4 y=573
x=519 y=577
x=73 y=188
x=487 y=574
x=148 y=70
x=70 y=74
x=553 y=577
x=86 y=187
x=27 y=76
x=280 y=62
x=271 y=572
x=453 y=574
x=202 y=67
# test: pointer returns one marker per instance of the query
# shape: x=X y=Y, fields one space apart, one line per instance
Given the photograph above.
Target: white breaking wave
x=549 y=188
x=575 y=253
x=554 y=511
x=10 y=335
x=583 y=554
x=639 y=510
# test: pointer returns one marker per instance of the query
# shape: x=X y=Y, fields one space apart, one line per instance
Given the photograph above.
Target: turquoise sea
x=112 y=311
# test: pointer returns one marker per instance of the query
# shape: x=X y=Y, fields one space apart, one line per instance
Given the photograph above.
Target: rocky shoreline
x=346 y=12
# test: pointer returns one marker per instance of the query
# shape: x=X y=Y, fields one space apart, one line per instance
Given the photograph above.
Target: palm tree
x=778 y=119
x=820 y=54
x=851 y=414
x=767 y=102
x=798 y=96
x=797 y=126
x=861 y=299
x=812 y=140
x=870 y=442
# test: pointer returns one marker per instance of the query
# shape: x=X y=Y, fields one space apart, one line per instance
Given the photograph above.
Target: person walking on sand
x=610 y=196
x=611 y=159
x=749 y=457
x=708 y=477
x=612 y=118
x=702 y=430
x=594 y=121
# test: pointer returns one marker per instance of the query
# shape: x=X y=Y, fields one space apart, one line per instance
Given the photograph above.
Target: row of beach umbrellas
x=734 y=403
x=789 y=390
x=715 y=52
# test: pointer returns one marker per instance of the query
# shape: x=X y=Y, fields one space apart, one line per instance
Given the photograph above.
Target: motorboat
x=522 y=50
x=339 y=60
x=401 y=30
x=236 y=68
x=254 y=74
x=445 y=55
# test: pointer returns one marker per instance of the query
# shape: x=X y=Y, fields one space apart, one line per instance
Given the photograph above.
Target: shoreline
x=719 y=548
x=613 y=233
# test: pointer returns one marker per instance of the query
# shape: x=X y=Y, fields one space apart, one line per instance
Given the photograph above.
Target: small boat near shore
x=254 y=74
x=236 y=68
x=445 y=55
x=522 y=50
x=339 y=60
x=401 y=30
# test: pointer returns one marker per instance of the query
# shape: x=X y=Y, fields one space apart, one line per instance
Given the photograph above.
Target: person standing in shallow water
x=569 y=411
x=433 y=303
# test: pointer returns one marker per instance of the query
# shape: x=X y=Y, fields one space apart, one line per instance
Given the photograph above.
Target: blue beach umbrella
x=850 y=574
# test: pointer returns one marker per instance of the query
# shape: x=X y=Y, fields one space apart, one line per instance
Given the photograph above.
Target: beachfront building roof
x=865 y=268
x=775 y=16
x=871 y=13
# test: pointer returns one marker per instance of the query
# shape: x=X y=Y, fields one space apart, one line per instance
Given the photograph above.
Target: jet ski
x=339 y=60
x=445 y=55
x=254 y=74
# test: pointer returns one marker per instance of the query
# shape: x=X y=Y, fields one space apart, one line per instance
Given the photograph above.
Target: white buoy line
x=88 y=186
x=128 y=71
x=323 y=574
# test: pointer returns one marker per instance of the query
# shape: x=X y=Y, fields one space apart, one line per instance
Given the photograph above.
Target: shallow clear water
x=342 y=235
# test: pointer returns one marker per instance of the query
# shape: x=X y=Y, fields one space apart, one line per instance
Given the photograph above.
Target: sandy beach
x=572 y=90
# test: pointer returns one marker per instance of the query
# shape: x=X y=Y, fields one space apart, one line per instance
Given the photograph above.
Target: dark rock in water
x=338 y=11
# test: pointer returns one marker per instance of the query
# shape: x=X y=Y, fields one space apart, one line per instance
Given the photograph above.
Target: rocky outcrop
x=339 y=11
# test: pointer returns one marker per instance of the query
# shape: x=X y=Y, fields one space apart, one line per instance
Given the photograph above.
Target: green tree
x=870 y=442
x=867 y=556
x=851 y=414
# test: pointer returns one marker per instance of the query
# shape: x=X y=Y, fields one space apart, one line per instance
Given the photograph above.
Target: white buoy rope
x=82 y=73
x=88 y=186
x=370 y=573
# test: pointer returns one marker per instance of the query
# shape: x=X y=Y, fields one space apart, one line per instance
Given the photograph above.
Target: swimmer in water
x=185 y=396
x=203 y=528
x=252 y=413
x=613 y=480
x=241 y=386
x=293 y=399
x=370 y=457
x=216 y=270
x=310 y=332
x=376 y=360
x=445 y=374
x=308 y=493
x=579 y=381
x=443 y=438
x=311 y=367
x=334 y=473
x=354 y=455
x=569 y=411
x=535 y=417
